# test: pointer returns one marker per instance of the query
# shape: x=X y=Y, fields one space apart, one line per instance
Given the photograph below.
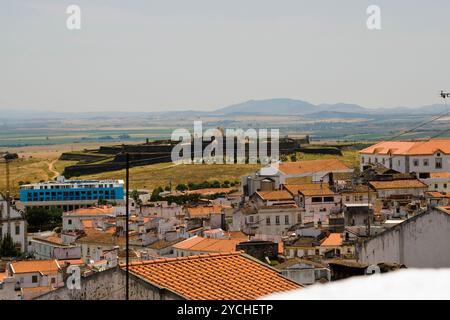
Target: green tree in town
x=155 y=194
x=181 y=187
x=42 y=219
x=7 y=247
x=135 y=196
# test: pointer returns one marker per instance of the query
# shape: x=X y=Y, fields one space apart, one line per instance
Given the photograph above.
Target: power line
x=419 y=126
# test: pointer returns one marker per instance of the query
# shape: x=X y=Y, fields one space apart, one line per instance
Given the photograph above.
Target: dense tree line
x=41 y=219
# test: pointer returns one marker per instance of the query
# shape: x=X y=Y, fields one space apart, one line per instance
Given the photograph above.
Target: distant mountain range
x=300 y=107
x=286 y=107
x=270 y=107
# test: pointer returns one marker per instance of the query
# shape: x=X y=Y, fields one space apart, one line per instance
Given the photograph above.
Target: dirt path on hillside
x=52 y=169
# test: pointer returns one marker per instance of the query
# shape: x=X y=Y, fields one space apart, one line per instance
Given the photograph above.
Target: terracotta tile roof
x=312 y=166
x=51 y=239
x=440 y=175
x=3 y=275
x=226 y=276
x=436 y=194
x=236 y=235
x=398 y=184
x=43 y=266
x=71 y=262
x=299 y=180
x=87 y=223
x=201 y=211
x=309 y=189
x=161 y=244
x=445 y=209
x=275 y=195
x=333 y=240
x=92 y=211
x=280 y=247
x=425 y=147
x=100 y=237
x=197 y=243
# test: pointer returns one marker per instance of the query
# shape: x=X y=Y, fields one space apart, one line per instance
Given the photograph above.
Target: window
x=251 y=219
x=363 y=160
x=17 y=229
x=399 y=163
x=426 y=162
x=277 y=220
x=316 y=199
x=438 y=163
x=268 y=221
x=347 y=198
x=286 y=219
x=384 y=161
x=445 y=186
x=53 y=280
x=69 y=221
x=34 y=279
x=436 y=186
x=328 y=199
x=416 y=162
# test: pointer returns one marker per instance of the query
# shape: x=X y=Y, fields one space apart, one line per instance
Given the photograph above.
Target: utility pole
x=8 y=204
x=127 y=216
x=368 y=209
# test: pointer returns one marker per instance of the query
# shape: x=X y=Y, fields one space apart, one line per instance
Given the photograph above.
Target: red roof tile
x=312 y=166
x=226 y=276
x=424 y=147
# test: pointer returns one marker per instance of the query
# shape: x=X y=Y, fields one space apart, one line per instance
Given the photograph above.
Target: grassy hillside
x=37 y=166
x=151 y=176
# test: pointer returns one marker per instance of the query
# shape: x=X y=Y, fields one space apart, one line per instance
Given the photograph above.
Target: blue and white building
x=71 y=194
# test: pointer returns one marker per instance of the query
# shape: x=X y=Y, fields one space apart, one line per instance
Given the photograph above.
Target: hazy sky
x=153 y=55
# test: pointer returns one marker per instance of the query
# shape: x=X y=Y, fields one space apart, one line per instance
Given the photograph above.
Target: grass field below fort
x=41 y=164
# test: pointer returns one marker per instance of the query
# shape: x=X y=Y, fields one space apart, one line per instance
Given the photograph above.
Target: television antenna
x=444 y=94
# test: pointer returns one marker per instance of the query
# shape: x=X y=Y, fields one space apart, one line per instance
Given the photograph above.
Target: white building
x=162 y=209
x=272 y=177
x=419 y=242
x=266 y=220
x=421 y=157
x=317 y=202
x=438 y=181
x=17 y=224
x=52 y=247
x=399 y=188
x=73 y=220
x=35 y=277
